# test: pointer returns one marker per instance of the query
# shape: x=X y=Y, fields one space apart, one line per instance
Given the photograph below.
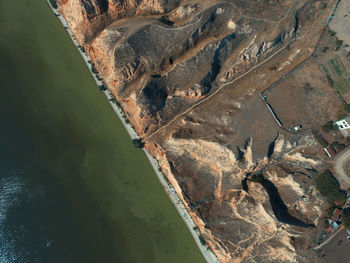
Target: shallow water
x=72 y=187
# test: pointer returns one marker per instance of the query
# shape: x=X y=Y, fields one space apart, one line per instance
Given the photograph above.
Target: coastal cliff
x=189 y=77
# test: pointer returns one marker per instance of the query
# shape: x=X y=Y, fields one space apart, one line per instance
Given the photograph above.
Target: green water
x=72 y=187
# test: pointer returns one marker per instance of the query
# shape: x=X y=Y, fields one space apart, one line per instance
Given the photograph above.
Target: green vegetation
x=338 y=146
x=138 y=143
x=328 y=126
x=335 y=66
x=332 y=33
x=93 y=68
x=346 y=107
x=54 y=3
x=329 y=187
x=256 y=178
x=329 y=79
x=345 y=217
x=338 y=42
x=102 y=87
x=337 y=76
x=202 y=240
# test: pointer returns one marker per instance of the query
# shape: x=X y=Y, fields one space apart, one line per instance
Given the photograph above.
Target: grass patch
x=329 y=187
x=337 y=75
x=336 y=67
x=346 y=218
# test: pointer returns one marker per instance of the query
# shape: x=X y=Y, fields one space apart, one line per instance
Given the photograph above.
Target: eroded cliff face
x=240 y=224
x=188 y=75
x=163 y=58
x=87 y=18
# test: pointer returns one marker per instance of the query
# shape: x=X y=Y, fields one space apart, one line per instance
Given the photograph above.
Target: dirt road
x=329 y=239
x=339 y=163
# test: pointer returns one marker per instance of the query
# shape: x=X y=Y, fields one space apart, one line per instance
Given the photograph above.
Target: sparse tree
x=54 y=4
x=328 y=186
x=138 y=143
x=339 y=42
x=345 y=218
x=332 y=33
x=102 y=87
x=328 y=126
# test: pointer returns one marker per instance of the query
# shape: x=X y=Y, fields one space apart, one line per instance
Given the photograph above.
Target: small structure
x=329 y=151
x=336 y=215
x=334 y=225
x=329 y=229
x=344 y=126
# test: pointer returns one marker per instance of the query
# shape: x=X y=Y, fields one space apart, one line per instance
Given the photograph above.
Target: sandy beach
x=180 y=207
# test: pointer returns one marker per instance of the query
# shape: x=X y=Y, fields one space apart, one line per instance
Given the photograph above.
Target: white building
x=344 y=124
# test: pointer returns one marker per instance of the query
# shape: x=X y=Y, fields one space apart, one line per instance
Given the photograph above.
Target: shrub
x=330 y=81
x=332 y=33
x=54 y=4
x=328 y=126
x=93 y=69
x=328 y=186
x=347 y=107
x=338 y=146
x=102 y=87
x=256 y=178
x=138 y=143
x=202 y=240
x=339 y=42
x=345 y=217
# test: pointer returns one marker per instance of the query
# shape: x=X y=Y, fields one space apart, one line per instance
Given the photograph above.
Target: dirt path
x=234 y=80
x=329 y=239
x=339 y=163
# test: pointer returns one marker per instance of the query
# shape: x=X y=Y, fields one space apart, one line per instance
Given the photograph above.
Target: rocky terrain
x=189 y=76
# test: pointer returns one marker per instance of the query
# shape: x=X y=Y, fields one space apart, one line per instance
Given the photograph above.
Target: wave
x=11 y=188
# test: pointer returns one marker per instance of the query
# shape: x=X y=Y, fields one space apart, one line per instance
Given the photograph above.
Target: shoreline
x=207 y=253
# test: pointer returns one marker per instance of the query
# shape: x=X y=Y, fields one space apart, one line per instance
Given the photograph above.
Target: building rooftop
x=336 y=215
